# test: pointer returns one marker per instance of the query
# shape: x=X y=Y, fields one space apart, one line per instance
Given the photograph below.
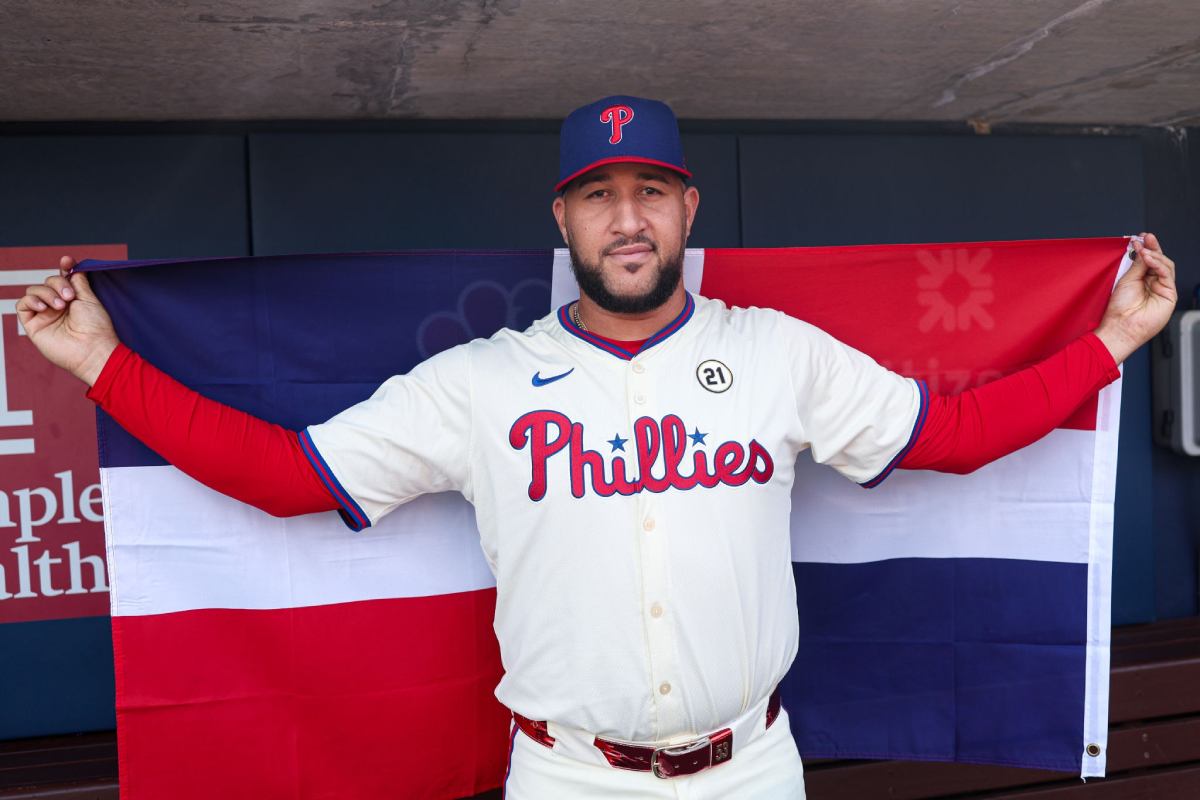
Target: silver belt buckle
x=687 y=748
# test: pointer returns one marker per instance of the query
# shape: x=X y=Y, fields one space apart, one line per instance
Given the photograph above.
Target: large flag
x=942 y=617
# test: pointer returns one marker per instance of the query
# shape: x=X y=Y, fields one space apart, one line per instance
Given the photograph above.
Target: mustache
x=641 y=238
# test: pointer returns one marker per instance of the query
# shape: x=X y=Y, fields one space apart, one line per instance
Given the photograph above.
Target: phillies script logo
x=618 y=117
x=548 y=433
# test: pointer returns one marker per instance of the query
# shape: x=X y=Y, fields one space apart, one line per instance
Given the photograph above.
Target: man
x=645 y=600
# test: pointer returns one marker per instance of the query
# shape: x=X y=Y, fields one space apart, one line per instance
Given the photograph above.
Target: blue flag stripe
x=968 y=659
x=270 y=337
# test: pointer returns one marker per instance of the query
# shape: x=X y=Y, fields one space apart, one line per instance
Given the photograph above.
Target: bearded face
x=664 y=271
x=626 y=226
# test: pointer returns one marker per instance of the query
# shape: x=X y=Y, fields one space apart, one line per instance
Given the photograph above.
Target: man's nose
x=628 y=219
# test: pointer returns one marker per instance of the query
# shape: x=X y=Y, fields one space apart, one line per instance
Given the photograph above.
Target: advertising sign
x=51 y=524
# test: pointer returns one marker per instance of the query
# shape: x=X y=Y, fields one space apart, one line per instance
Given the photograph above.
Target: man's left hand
x=1142 y=302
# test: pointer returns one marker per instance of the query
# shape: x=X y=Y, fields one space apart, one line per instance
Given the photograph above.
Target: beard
x=590 y=277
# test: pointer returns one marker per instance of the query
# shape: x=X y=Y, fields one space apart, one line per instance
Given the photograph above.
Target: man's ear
x=691 y=202
x=559 y=207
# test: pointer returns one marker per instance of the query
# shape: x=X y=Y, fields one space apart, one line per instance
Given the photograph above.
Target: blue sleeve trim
x=350 y=512
x=912 y=439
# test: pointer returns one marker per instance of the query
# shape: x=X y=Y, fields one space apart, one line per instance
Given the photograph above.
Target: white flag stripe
x=1099 y=619
x=176 y=545
x=1035 y=504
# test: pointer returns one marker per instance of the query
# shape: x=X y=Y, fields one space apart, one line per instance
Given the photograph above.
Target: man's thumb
x=79 y=283
x=1137 y=270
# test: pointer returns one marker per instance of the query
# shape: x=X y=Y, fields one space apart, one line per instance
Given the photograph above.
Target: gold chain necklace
x=575 y=317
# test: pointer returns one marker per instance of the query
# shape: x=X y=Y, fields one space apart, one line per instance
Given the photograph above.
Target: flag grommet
x=1093 y=750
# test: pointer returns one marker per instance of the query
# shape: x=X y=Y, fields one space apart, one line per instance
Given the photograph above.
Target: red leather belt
x=686 y=758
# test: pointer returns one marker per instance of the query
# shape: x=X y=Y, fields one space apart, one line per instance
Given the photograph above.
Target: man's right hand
x=68 y=324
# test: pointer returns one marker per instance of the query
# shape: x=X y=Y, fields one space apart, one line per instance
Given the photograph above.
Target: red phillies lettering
x=581 y=458
x=733 y=463
x=760 y=466
x=646 y=437
x=618 y=117
x=534 y=429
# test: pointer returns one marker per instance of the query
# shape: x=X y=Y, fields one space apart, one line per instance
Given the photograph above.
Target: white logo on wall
x=60 y=501
x=11 y=417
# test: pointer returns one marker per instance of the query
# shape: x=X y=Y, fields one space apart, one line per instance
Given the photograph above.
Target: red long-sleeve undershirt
x=270 y=471
x=963 y=432
x=231 y=451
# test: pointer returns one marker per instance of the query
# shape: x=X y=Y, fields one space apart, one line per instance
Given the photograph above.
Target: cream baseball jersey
x=634 y=508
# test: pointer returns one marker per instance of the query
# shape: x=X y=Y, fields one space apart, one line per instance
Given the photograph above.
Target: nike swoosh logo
x=538 y=380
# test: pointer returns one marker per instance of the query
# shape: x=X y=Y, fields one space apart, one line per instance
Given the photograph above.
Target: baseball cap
x=616 y=129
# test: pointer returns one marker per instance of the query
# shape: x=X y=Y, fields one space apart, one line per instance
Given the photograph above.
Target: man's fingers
x=24 y=312
x=1162 y=267
x=30 y=306
x=28 y=309
x=1157 y=257
x=66 y=264
x=1170 y=264
x=1149 y=257
x=41 y=297
x=61 y=285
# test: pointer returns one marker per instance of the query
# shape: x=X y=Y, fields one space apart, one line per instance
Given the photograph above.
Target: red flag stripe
x=955 y=315
x=285 y=698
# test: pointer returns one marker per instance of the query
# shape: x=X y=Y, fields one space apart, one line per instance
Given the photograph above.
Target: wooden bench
x=1153 y=749
x=75 y=767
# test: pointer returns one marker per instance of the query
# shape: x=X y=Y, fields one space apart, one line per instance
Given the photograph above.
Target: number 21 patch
x=714 y=376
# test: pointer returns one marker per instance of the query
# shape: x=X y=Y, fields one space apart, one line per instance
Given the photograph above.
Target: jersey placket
x=652 y=531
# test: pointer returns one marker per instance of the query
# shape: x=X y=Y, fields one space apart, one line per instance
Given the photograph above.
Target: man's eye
x=652 y=190
x=598 y=193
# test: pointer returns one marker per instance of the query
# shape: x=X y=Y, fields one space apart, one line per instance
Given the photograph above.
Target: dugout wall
x=186 y=190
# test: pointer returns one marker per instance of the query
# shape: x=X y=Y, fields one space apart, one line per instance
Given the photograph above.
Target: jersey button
x=664 y=688
x=639 y=398
x=639 y=367
x=648 y=525
x=656 y=610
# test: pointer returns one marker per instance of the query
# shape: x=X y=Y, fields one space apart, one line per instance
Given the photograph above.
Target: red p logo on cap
x=617 y=116
x=584 y=145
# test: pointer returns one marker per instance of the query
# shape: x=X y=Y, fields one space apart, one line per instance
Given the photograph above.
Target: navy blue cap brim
x=620 y=160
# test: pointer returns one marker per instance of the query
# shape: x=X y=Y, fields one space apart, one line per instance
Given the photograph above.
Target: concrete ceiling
x=1061 y=61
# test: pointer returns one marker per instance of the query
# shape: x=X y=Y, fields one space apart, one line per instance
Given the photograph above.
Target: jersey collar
x=672 y=327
